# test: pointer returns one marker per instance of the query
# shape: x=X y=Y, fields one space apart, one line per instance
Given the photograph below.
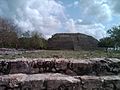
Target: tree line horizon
x=11 y=36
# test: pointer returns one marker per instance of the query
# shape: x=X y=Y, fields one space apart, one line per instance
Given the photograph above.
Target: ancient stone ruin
x=60 y=74
x=72 y=41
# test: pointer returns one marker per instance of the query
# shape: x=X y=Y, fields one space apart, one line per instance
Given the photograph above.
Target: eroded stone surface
x=60 y=74
x=96 y=66
x=57 y=81
x=99 y=82
x=38 y=82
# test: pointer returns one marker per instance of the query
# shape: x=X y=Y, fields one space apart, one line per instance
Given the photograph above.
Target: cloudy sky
x=92 y=17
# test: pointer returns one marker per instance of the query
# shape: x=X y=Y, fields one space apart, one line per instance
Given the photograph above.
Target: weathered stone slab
x=38 y=82
x=96 y=66
x=57 y=81
x=100 y=82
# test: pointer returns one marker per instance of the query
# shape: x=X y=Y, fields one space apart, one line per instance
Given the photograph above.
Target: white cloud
x=42 y=15
x=115 y=6
x=70 y=25
x=73 y=4
x=76 y=3
x=49 y=17
x=97 y=30
x=97 y=10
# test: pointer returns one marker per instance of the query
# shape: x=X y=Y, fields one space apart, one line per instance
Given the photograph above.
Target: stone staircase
x=60 y=74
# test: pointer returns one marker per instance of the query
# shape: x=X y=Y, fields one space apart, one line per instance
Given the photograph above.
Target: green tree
x=26 y=34
x=114 y=33
x=8 y=36
x=37 y=41
x=24 y=42
x=32 y=40
x=106 y=42
x=11 y=36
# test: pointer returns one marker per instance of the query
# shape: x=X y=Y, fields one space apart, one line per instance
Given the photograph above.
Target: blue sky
x=71 y=9
x=91 y=17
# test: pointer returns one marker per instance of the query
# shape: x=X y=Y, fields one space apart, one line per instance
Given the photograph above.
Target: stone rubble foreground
x=60 y=74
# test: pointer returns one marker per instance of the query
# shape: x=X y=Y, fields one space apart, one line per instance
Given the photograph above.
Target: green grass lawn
x=62 y=54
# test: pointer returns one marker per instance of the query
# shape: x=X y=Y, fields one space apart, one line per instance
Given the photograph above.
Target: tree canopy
x=113 y=40
x=115 y=34
x=11 y=36
x=106 y=42
x=8 y=36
